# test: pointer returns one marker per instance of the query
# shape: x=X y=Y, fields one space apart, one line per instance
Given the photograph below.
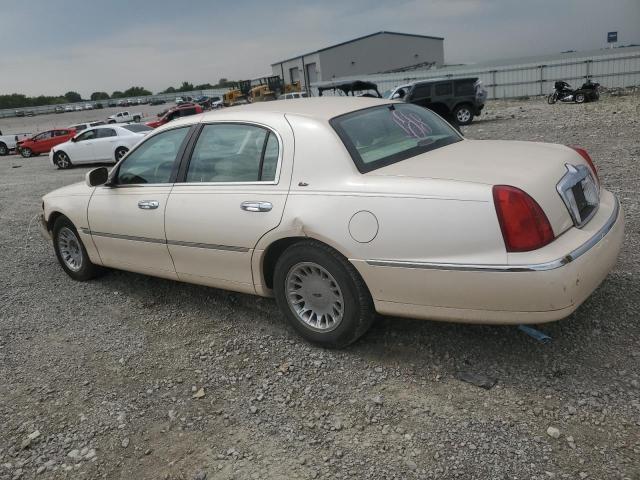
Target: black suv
x=458 y=99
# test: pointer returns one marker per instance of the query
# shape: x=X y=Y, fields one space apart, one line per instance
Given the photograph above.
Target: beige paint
x=436 y=208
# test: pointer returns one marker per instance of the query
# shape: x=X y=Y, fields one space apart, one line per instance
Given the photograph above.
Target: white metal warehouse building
x=377 y=52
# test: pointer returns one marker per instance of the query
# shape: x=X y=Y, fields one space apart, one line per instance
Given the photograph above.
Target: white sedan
x=108 y=143
x=344 y=207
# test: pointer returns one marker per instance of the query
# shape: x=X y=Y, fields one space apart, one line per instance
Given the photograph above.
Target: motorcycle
x=588 y=92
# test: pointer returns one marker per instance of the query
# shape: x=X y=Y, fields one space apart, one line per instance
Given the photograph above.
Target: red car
x=44 y=141
x=183 y=110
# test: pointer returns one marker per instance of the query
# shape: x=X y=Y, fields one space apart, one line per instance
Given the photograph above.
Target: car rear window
x=379 y=136
x=137 y=127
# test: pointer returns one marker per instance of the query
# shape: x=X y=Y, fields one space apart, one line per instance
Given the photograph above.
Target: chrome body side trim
x=165 y=242
x=536 y=267
x=207 y=245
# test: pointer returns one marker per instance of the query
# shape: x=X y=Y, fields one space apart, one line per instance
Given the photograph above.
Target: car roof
x=321 y=108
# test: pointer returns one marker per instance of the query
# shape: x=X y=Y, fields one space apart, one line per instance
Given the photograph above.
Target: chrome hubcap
x=63 y=160
x=69 y=248
x=121 y=153
x=314 y=296
x=464 y=115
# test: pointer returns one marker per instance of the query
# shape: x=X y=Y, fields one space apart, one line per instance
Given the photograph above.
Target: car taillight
x=583 y=153
x=524 y=225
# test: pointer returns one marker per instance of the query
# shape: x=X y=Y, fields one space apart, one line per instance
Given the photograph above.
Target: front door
x=234 y=191
x=126 y=220
x=82 y=149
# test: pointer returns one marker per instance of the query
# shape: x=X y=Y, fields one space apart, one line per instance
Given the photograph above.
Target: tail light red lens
x=524 y=225
x=583 y=153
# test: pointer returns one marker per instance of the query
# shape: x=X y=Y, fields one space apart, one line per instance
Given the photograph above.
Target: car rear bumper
x=545 y=290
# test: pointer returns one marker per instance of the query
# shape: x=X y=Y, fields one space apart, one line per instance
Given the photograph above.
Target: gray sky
x=52 y=46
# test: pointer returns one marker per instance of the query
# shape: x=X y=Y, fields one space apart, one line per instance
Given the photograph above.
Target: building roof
x=356 y=40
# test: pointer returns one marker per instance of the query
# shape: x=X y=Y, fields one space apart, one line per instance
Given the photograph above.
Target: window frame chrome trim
x=535 y=267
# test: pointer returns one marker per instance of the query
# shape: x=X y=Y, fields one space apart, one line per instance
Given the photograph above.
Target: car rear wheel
x=26 y=152
x=322 y=295
x=120 y=153
x=71 y=253
x=3 y=149
x=62 y=160
x=463 y=114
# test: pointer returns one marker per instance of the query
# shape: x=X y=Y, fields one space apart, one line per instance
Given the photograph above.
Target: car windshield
x=379 y=136
x=137 y=127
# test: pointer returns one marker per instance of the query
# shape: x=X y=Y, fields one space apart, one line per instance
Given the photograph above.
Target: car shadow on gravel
x=581 y=345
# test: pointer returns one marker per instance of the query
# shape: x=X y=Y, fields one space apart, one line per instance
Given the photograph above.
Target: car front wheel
x=3 y=149
x=70 y=251
x=322 y=295
x=62 y=160
x=26 y=152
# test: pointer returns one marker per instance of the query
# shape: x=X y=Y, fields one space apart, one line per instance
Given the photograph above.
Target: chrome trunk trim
x=535 y=267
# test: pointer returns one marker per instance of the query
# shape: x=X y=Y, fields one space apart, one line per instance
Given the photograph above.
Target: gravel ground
x=133 y=377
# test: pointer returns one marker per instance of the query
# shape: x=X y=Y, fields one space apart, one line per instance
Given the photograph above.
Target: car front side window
x=88 y=135
x=153 y=160
x=234 y=153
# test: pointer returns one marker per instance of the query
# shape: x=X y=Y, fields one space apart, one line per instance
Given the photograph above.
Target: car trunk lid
x=536 y=168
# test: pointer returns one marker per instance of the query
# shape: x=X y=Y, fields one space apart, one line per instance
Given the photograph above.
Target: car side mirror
x=96 y=177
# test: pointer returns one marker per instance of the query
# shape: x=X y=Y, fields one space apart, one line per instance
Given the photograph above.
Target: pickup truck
x=124 y=117
x=8 y=142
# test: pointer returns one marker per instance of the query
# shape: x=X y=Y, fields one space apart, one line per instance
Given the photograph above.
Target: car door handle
x=256 y=206
x=148 y=204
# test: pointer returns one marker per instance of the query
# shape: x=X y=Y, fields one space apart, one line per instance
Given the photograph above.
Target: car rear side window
x=465 y=87
x=234 y=153
x=443 y=89
x=106 y=132
x=379 y=136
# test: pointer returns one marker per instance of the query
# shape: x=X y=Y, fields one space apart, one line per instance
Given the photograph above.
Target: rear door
x=234 y=190
x=104 y=144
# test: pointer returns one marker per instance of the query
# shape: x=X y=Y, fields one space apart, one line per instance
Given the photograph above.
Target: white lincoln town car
x=344 y=207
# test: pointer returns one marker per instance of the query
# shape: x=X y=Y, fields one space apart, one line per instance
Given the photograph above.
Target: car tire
x=26 y=152
x=71 y=253
x=120 y=152
x=111 y=122
x=62 y=160
x=136 y=119
x=579 y=98
x=4 y=150
x=338 y=294
x=463 y=114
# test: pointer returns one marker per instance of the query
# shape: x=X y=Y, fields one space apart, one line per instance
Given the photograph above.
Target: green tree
x=169 y=90
x=136 y=92
x=117 y=94
x=186 y=87
x=203 y=86
x=99 y=96
x=73 y=97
